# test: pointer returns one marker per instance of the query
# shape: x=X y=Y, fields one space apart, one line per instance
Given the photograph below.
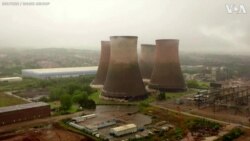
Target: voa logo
x=236 y=9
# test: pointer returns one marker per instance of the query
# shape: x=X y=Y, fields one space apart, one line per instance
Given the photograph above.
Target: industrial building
x=123 y=130
x=58 y=72
x=146 y=60
x=123 y=79
x=167 y=74
x=23 y=112
x=11 y=79
x=103 y=65
x=83 y=118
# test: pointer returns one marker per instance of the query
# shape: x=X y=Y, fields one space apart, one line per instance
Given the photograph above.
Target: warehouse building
x=123 y=130
x=11 y=79
x=23 y=112
x=58 y=72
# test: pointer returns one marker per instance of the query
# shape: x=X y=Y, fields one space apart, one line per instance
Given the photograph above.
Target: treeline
x=70 y=91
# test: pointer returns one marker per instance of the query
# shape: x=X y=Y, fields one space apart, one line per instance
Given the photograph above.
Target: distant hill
x=13 y=60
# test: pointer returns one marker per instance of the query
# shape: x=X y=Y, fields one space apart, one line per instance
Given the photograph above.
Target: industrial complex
x=58 y=72
x=23 y=112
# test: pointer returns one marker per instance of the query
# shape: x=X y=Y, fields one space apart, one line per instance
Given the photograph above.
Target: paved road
x=197 y=116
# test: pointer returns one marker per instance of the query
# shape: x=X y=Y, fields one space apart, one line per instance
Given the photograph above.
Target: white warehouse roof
x=59 y=72
x=10 y=79
x=124 y=127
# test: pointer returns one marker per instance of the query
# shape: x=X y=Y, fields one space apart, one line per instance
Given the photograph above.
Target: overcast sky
x=201 y=25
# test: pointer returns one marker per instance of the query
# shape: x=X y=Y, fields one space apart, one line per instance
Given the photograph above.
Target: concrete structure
x=146 y=60
x=124 y=79
x=83 y=118
x=123 y=130
x=11 y=79
x=103 y=65
x=167 y=74
x=23 y=112
x=59 y=72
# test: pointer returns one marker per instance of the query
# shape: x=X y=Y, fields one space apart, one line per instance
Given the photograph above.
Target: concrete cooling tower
x=146 y=60
x=103 y=65
x=167 y=74
x=124 y=79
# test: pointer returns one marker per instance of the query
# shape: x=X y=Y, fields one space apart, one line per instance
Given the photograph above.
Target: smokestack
x=146 y=60
x=167 y=74
x=101 y=74
x=123 y=79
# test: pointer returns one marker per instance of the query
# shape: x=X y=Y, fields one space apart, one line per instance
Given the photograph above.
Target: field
x=6 y=100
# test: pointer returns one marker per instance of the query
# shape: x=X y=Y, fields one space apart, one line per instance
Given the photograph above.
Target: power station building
x=146 y=60
x=167 y=74
x=58 y=72
x=123 y=79
x=103 y=65
x=23 y=112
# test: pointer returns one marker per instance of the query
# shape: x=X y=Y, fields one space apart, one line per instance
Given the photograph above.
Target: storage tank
x=146 y=60
x=167 y=74
x=124 y=79
x=103 y=65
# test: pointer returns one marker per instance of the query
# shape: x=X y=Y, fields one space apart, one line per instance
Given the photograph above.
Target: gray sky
x=201 y=25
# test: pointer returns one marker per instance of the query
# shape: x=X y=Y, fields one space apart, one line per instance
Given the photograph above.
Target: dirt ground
x=245 y=137
x=220 y=114
x=31 y=93
x=47 y=134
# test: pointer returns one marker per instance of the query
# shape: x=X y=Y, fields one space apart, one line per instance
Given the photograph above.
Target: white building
x=59 y=72
x=83 y=118
x=122 y=130
x=11 y=79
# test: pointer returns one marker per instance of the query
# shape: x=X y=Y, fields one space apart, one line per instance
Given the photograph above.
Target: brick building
x=23 y=112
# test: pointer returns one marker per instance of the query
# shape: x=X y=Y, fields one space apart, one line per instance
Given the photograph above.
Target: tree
x=79 y=97
x=161 y=96
x=66 y=102
x=193 y=84
x=89 y=104
x=55 y=93
x=72 y=87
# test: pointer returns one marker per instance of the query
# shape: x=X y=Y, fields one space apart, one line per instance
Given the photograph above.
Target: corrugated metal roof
x=124 y=127
x=10 y=78
x=22 y=106
x=62 y=70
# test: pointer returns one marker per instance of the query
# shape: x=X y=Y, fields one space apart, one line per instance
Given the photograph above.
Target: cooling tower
x=123 y=79
x=146 y=60
x=167 y=74
x=103 y=65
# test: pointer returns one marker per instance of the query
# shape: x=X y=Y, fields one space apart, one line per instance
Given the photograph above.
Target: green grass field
x=6 y=100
